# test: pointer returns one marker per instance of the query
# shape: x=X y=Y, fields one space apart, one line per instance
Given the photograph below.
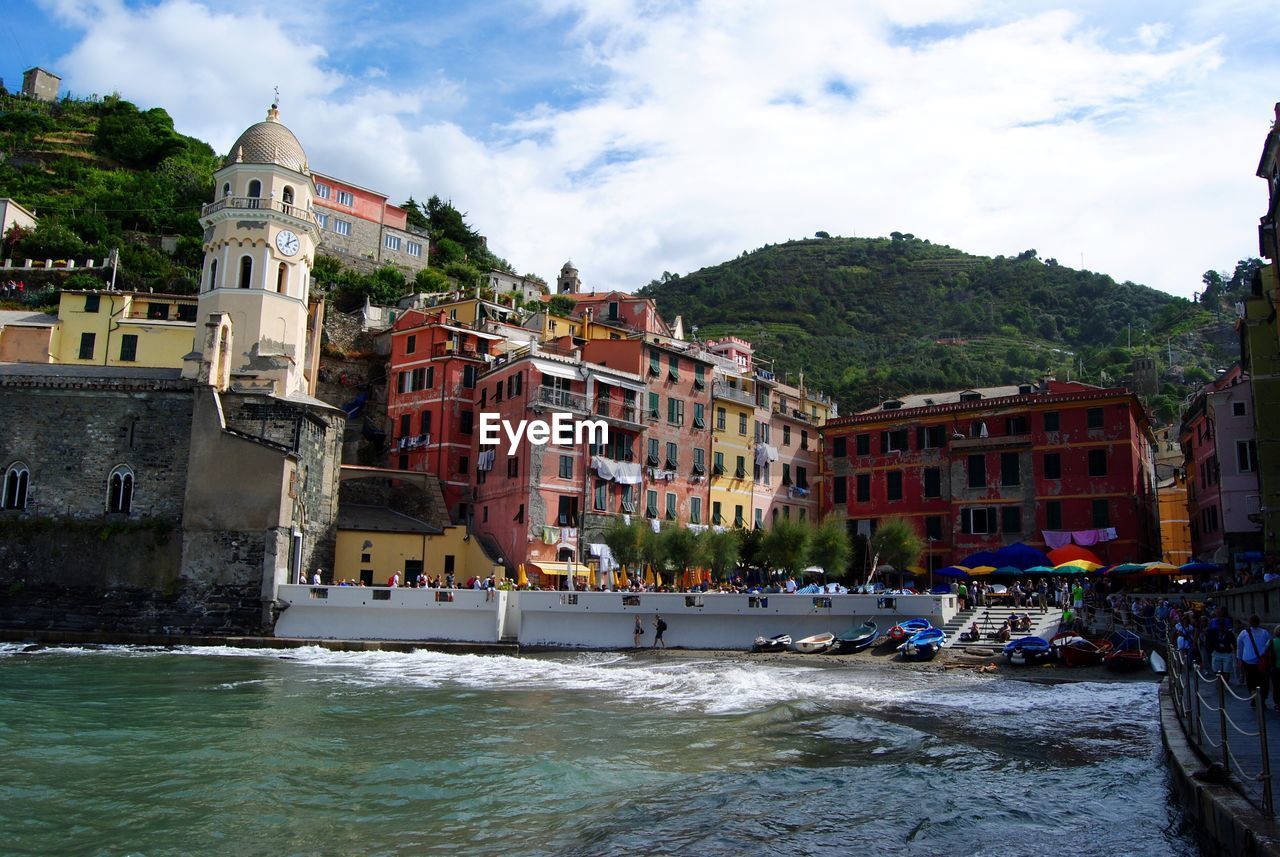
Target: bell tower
x=260 y=237
x=568 y=283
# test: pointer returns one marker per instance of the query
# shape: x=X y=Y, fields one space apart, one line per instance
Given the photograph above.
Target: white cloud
x=721 y=126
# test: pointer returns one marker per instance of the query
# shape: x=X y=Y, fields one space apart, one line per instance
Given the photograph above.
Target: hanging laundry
x=1054 y=539
x=550 y=535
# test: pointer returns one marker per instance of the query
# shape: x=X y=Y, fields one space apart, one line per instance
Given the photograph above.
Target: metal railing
x=1210 y=712
x=257 y=203
x=734 y=394
x=561 y=399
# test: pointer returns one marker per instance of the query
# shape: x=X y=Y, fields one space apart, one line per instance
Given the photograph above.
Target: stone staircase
x=990 y=619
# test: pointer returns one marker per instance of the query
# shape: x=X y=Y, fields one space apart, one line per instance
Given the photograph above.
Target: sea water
x=241 y=752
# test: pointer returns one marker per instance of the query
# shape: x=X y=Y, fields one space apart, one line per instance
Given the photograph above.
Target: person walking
x=659 y=626
x=1042 y=595
x=1252 y=647
x=639 y=631
x=1222 y=644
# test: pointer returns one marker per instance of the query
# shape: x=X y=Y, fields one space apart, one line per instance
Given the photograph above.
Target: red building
x=977 y=469
x=432 y=400
x=677 y=433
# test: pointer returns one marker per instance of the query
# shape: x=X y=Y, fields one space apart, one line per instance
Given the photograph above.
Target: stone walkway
x=1246 y=750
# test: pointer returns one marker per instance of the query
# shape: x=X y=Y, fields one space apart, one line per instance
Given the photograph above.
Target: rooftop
x=382 y=519
x=26 y=318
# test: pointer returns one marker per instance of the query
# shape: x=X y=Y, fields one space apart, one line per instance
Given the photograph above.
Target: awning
x=557 y=371
x=626 y=385
x=560 y=569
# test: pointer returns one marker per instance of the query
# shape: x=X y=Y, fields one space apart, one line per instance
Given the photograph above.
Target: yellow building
x=1175 y=525
x=109 y=328
x=375 y=542
x=732 y=420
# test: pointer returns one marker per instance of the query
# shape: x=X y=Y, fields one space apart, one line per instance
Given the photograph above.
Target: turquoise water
x=234 y=752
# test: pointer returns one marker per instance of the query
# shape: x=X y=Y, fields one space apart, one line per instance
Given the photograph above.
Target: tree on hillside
x=414 y=216
x=895 y=543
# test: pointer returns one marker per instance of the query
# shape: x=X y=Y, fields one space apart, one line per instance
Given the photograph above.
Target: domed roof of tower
x=269 y=142
x=568 y=266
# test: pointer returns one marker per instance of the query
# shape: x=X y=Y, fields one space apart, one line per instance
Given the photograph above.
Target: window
x=16 y=481
x=1101 y=513
x=187 y=312
x=567 y=513
x=323 y=220
x=977 y=520
x=405 y=426
x=341 y=227
x=246 y=272
x=468 y=377
x=1051 y=421
x=1016 y=425
x=466 y=422
x=655 y=361
x=740 y=472
x=345 y=198
x=760 y=518
x=738 y=520
x=1246 y=456
x=802 y=477
x=893 y=485
x=226 y=189
x=675 y=412
x=742 y=424
x=513 y=466
x=1053 y=515
x=655 y=408
x=719 y=419
x=425 y=422
x=652 y=458
x=282 y=279
x=566 y=467
x=287 y=195
x=1010 y=471
x=931 y=437
x=933 y=528
x=695 y=510
x=612 y=311
x=716 y=516
x=1237 y=409
x=699 y=376
x=839 y=447
x=600 y=499
x=893 y=441
x=863 y=494
x=1052 y=465
x=411 y=343
x=804 y=439
x=673 y=456
x=932 y=482
x=699 y=415
x=92 y=303
x=392 y=242
x=413 y=248
x=120 y=490
x=651 y=503
x=403 y=462
x=129 y=347
x=719 y=464
x=863 y=445
x=1011 y=519
x=255 y=189
x=671 y=506
x=213 y=276
x=673 y=367
x=1097 y=462
x=323 y=190
x=86 y=345
x=786 y=435
x=629 y=498
x=515 y=385
x=1095 y=418
x=840 y=490
x=977 y=471
x=464 y=464
x=699 y=461
x=786 y=473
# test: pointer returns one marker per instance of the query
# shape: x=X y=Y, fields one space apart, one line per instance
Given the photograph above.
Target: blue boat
x=1028 y=650
x=923 y=645
x=906 y=630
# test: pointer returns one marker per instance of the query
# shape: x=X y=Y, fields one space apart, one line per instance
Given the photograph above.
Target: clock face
x=287 y=242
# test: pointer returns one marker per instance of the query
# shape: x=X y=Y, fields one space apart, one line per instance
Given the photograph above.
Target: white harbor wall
x=606 y=620
x=603 y=620
x=382 y=613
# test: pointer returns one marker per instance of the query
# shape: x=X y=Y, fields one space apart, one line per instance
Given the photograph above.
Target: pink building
x=359 y=222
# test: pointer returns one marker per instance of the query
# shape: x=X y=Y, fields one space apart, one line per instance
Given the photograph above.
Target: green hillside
x=870 y=318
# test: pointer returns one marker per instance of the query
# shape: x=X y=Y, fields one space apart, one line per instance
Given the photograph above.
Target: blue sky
x=642 y=137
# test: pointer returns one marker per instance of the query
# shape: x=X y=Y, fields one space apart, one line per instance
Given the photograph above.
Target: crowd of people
x=1243 y=653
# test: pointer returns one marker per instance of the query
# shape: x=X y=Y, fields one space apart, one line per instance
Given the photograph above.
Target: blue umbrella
x=982 y=558
x=953 y=571
x=1020 y=556
x=1198 y=567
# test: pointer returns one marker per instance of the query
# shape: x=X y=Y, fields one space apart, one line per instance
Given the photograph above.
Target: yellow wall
x=1175 y=526
x=20 y=344
x=161 y=344
x=390 y=550
x=727 y=490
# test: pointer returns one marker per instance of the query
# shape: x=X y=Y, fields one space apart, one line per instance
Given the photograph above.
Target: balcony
x=721 y=390
x=257 y=203
x=981 y=444
x=561 y=400
x=616 y=409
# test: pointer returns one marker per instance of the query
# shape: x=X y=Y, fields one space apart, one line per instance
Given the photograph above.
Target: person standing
x=315 y=578
x=1222 y=644
x=1042 y=595
x=962 y=593
x=302 y=577
x=639 y=631
x=659 y=627
x=1252 y=647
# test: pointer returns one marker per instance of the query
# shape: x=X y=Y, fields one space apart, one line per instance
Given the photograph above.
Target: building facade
x=360 y=223
x=973 y=470
x=110 y=328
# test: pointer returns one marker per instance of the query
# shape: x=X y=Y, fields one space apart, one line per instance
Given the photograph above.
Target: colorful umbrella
x=1008 y=571
x=1160 y=568
x=981 y=570
x=956 y=571
x=1020 y=556
x=522 y=579
x=1067 y=553
x=1077 y=566
x=1125 y=568
x=1040 y=569
x=982 y=558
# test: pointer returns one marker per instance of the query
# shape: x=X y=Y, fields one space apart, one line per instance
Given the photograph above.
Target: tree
x=650 y=547
x=787 y=546
x=50 y=241
x=430 y=280
x=1213 y=284
x=750 y=547
x=624 y=542
x=719 y=552
x=829 y=547
x=821 y=234
x=895 y=543
x=413 y=215
x=679 y=548
x=562 y=305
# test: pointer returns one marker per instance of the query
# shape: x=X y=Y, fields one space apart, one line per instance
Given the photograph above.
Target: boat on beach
x=1158 y=665
x=1126 y=653
x=780 y=643
x=813 y=645
x=902 y=632
x=1075 y=650
x=1027 y=650
x=856 y=639
x=924 y=645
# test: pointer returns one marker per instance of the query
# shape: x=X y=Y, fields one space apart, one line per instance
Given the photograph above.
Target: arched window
x=246 y=271
x=255 y=188
x=213 y=274
x=282 y=278
x=287 y=196
x=120 y=490
x=564 y=555
x=226 y=189
x=15 y=486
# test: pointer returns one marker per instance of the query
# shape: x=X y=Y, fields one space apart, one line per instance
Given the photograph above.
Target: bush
x=50 y=241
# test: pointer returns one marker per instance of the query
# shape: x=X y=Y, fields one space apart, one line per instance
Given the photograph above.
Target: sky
x=642 y=136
